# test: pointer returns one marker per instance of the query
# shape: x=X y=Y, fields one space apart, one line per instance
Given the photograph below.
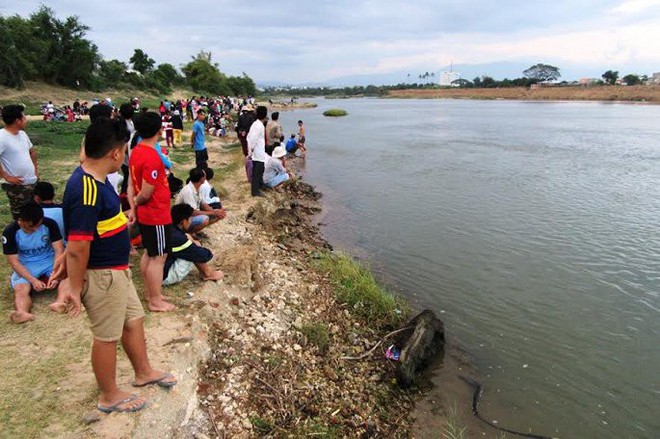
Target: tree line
x=539 y=73
x=45 y=48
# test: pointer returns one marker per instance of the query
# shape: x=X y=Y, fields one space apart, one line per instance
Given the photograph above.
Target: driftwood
x=419 y=346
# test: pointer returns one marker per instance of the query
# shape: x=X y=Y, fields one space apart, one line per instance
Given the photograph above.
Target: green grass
x=261 y=426
x=317 y=334
x=335 y=112
x=32 y=108
x=453 y=430
x=356 y=286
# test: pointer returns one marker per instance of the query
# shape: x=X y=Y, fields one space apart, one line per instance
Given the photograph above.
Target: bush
x=335 y=112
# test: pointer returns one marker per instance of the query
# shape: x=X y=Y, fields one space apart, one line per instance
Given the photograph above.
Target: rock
x=91 y=417
x=297 y=347
x=234 y=301
x=419 y=345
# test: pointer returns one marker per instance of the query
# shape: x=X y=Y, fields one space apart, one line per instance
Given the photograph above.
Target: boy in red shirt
x=149 y=195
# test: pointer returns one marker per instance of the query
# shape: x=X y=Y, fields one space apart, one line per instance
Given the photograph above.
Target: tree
x=477 y=81
x=610 y=77
x=204 y=76
x=141 y=62
x=488 y=82
x=168 y=74
x=542 y=72
x=631 y=79
x=463 y=83
x=112 y=71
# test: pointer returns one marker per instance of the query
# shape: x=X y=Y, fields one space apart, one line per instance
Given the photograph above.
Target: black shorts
x=201 y=156
x=156 y=239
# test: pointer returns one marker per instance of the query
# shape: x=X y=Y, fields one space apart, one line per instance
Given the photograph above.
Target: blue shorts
x=281 y=178
x=197 y=220
x=36 y=269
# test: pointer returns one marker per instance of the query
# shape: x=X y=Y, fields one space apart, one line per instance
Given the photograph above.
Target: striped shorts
x=156 y=239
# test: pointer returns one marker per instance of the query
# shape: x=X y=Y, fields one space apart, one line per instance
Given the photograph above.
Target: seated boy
x=207 y=192
x=44 y=194
x=292 y=146
x=185 y=251
x=203 y=214
x=31 y=244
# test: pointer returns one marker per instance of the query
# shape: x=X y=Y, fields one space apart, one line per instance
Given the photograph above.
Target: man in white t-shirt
x=18 y=159
x=203 y=214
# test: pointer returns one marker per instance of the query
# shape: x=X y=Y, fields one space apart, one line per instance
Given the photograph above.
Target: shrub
x=335 y=112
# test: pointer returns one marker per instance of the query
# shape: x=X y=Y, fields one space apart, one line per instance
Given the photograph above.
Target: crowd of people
x=119 y=199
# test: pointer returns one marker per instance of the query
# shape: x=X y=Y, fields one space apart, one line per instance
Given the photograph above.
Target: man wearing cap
x=18 y=159
x=245 y=121
x=275 y=173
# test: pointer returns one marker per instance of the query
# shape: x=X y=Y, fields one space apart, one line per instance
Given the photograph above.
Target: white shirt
x=273 y=168
x=256 y=140
x=205 y=194
x=189 y=195
x=15 y=156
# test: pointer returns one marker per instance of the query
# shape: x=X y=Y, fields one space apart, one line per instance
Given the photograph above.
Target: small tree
x=542 y=72
x=141 y=62
x=632 y=79
x=610 y=77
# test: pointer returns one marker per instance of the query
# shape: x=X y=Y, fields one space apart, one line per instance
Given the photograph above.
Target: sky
x=299 y=42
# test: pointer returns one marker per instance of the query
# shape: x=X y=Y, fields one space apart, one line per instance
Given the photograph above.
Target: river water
x=532 y=227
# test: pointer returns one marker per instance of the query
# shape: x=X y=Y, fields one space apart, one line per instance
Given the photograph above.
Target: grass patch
x=317 y=334
x=261 y=426
x=453 y=430
x=356 y=286
x=335 y=112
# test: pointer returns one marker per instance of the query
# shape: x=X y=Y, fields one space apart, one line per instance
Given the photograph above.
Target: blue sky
x=299 y=41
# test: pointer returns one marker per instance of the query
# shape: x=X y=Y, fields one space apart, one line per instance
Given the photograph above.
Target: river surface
x=531 y=227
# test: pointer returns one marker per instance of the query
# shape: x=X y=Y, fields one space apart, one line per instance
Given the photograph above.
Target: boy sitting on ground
x=186 y=252
x=207 y=192
x=31 y=244
x=292 y=146
x=203 y=214
x=44 y=194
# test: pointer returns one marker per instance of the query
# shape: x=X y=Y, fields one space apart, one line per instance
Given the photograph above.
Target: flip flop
x=115 y=407
x=160 y=381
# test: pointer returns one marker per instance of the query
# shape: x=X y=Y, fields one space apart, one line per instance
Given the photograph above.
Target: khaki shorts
x=111 y=301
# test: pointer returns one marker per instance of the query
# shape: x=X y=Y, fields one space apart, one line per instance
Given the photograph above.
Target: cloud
x=295 y=42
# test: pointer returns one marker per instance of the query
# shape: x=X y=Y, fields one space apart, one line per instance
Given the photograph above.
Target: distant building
x=447 y=79
x=655 y=79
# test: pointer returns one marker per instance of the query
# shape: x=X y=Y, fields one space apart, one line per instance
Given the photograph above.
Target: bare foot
x=215 y=275
x=20 y=316
x=160 y=306
x=58 y=307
